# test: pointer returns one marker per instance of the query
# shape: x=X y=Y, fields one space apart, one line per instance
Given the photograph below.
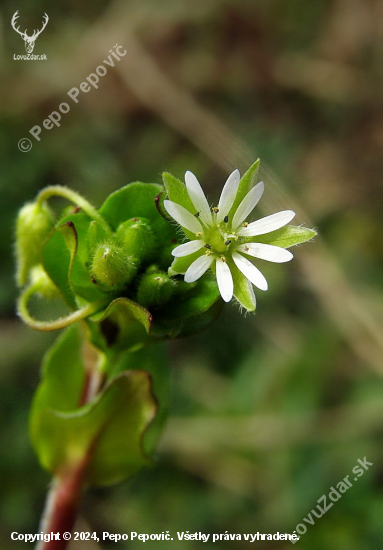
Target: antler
x=45 y=21
x=13 y=22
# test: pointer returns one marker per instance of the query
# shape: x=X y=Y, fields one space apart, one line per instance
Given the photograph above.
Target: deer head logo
x=29 y=40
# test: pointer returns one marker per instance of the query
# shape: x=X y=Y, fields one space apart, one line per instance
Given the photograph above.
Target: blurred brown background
x=270 y=410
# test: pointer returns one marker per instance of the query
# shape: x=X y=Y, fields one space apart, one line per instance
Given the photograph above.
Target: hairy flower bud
x=155 y=289
x=137 y=238
x=112 y=267
x=43 y=283
x=34 y=223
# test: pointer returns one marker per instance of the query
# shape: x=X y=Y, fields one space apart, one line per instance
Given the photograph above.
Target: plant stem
x=75 y=198
x=61 y=506
x=64 y=497
x=23 y=312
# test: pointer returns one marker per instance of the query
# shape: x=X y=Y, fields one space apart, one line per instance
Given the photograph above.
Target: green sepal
x=243 y=289
x=180 y=265
x=285 y=237
x=177 y=192
x=246 y=183
x=189 y=311
x=107 y=432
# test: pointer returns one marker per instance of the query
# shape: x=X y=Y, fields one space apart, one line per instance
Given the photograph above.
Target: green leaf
x=107 y=432
x=76 y=229
x=154 y=360
x=56 y=248
x=66 y=258
x=122 y=414
x=62 y=373
x=95 y=235
x=134 y=200
x=285 y=237
x=246 y=183
x=131 y=324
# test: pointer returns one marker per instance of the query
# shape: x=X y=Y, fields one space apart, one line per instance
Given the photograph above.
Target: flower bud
x=43 y=283
x=112 y=267
x=34 y=223
x=155 y=289
x=137 y=238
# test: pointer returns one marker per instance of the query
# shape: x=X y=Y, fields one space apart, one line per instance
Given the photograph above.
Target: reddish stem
x=64 y=497
x=61 y=507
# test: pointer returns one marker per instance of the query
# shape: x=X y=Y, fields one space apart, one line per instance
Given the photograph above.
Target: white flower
x=223 y=238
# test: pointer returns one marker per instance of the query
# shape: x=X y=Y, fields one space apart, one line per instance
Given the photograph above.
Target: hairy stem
x=75 y=198
x=23 y=312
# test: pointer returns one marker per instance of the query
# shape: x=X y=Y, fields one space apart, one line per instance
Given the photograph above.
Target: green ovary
x=217 y=242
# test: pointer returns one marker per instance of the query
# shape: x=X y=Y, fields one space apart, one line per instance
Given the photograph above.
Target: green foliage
x=94 y=258
x=104 y=384
x=106 y=433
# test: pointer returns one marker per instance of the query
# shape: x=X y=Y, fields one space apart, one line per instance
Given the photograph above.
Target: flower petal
x=224 y=280
x=265 y=252
x=250 y=271
x=248 y=204
x=228 y=195
x=267 y=224
x=198 y=268
x=187 y=248
x=197 y=196
x=183 y=216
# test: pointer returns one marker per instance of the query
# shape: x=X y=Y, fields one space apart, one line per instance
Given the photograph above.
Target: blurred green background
x=270 y=410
